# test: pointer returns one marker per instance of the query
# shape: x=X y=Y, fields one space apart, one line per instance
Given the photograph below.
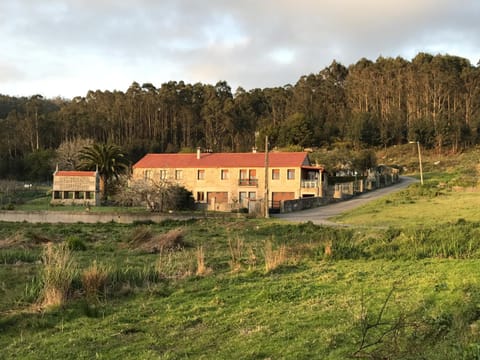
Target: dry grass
x=57 y=274
x=252 y=259
x=328 y=250
x=274 y=258
x=236 y=252
x=94 y=281
x=202 y=268
x=20 y=241
x=143 y=239
x=16 y=240
x=174 y=264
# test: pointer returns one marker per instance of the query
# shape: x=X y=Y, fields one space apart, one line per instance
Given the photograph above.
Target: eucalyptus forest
x=433 y=99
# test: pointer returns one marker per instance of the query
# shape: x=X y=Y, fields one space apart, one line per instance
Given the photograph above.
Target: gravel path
x=321 y=214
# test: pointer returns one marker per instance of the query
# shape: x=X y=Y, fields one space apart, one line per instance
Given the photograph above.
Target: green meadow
x=401 y=282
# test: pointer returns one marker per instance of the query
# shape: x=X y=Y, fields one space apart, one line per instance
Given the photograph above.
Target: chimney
x=198 y=153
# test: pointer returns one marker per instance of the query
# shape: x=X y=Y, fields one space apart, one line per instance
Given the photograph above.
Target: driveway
x=321 y=214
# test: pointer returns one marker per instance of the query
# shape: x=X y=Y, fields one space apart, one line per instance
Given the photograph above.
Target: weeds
x=202 y=268
x=94 y=281
x=144 y=239
x=274 y=258
x=172 y=264
x=57 y=274
x=236 y=252
x=17 y=256
x=75 y=243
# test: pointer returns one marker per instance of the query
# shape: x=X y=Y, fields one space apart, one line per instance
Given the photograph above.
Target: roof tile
x=217 y=160
x=75 y=173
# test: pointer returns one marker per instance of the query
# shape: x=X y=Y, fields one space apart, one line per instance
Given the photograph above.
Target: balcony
x=309 y=184
x=248 y=182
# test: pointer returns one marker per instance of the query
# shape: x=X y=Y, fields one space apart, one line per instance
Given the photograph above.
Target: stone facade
x=76 y=188
x=226 y=181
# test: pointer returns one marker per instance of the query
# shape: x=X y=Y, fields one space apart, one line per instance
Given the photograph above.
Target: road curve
x=320 y=215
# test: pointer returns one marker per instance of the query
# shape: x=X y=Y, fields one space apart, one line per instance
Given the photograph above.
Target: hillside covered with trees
x=431 y=99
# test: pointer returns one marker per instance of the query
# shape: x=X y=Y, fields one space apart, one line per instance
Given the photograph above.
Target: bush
x=74 y=243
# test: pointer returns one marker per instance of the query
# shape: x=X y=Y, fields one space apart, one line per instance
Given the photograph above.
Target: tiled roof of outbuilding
x=75 y=173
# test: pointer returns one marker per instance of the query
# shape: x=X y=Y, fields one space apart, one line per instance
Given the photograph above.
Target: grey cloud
x=234 y=40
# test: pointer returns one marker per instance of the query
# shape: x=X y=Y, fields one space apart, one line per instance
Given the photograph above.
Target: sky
x=64 y=48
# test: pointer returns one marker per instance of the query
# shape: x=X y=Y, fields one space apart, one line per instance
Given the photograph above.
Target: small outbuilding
x=76 y=188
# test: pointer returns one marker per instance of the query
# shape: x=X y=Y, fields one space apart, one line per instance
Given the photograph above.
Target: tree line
x=431 y=99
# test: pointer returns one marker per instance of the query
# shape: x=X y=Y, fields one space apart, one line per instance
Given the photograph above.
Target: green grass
x=314 y=306
x=414 y=207
x=300 y=313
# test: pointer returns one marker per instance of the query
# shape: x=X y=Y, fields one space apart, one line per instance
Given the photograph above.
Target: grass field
x=417 y=207
x=402 y=283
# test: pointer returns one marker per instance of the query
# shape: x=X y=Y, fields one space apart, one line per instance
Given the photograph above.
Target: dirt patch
x=145 y=240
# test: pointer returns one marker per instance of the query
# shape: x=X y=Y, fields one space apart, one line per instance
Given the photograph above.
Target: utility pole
x=420 y=162
x=419 y=159
x=267 y=215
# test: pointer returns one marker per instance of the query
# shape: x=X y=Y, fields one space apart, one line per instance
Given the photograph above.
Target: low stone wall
x=304 y=203
x=335 y=193
x=83 y=217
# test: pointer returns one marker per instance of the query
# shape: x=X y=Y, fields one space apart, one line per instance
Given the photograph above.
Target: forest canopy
x=433 y=99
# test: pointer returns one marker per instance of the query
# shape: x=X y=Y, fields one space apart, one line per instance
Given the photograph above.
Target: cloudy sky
x=67 y=47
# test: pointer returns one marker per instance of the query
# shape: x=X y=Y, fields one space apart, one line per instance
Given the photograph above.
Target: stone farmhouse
x=225 y=181
x=76 y=188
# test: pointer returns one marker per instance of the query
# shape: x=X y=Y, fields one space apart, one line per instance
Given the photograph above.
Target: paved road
x=321 y=214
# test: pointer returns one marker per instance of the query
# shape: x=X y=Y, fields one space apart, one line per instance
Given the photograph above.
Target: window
x=178 y=174
x=252 y=195
x=88 y=195
x=224 y=174
x=79 y=195
x=290 y=174
x=200 y=196
x=163 y=174
x=248 y=177
x=147 y=175
x=57 y=195
x=201 y=175
x=275 y=174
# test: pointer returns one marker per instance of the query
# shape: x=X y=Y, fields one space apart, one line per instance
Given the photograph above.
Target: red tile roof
x=75 y=173
x=218 y=160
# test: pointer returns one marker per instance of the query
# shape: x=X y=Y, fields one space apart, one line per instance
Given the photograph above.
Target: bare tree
x=160 y=196
x=68 y=153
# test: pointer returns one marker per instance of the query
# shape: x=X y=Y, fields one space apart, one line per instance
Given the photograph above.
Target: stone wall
x=83 y=217
x=302 y=204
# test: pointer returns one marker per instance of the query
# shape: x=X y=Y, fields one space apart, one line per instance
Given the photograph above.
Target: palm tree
x=107 y=159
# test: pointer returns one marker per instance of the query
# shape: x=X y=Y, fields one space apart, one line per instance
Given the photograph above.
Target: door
x=281 y=196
